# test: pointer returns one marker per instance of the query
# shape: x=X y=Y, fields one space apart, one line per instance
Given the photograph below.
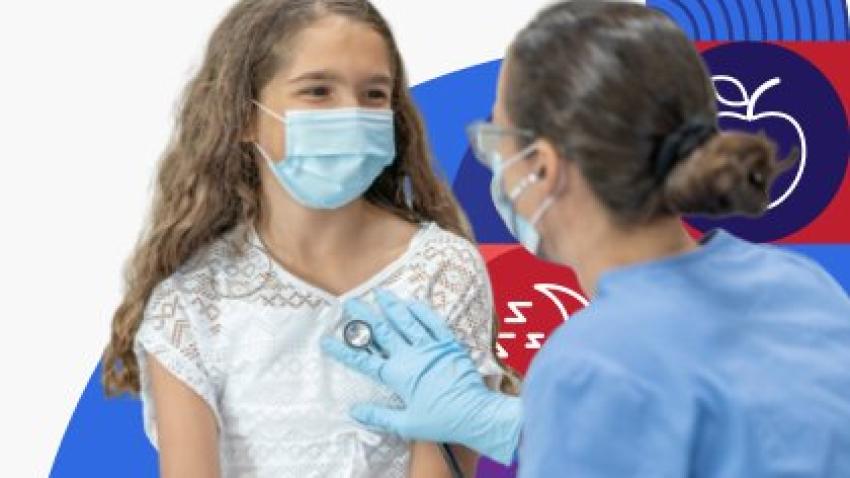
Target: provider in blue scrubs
x=717 y=358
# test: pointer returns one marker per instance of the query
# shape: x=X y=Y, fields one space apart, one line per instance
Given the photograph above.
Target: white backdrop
x=87 y=91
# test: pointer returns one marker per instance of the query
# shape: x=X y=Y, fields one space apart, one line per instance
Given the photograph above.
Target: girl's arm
x=187 y=434
x=426 y=461
x=470 y=311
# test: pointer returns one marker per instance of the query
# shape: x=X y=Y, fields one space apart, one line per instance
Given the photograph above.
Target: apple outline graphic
x=810 y=96
x=749 y=102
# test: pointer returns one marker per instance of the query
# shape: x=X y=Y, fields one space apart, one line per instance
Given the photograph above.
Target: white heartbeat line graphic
x=500 y=351
x=534 y=339
x=549 y=289
x=533 y=343
x=750 y=116
x=518 y=317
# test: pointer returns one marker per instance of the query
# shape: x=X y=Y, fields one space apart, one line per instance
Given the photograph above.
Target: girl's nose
x=349 y=99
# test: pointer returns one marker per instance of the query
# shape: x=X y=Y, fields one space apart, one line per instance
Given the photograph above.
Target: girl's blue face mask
x=333 y=155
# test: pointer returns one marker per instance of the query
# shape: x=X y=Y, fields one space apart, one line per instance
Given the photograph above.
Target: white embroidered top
x=244 y=333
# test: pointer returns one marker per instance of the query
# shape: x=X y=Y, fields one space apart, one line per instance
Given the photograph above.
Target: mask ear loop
x=538 y=215
x=517 y=191
x=268 y=111
x=524 y=184
x=528 y=181
x=522 y=154
x=265 y=155
x=550 y=199
x=271 y=113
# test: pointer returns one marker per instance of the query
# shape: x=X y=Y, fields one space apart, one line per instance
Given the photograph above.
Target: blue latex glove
x=445 y=398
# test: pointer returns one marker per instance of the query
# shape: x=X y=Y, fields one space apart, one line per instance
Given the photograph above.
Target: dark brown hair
x=208 y=180
x=619 y=89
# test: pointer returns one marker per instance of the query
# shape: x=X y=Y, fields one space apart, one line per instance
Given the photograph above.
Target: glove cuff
x=497 y=427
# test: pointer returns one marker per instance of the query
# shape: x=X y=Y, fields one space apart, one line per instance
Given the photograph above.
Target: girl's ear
x=249 y=134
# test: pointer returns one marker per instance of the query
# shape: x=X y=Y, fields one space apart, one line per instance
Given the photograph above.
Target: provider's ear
x=550 y=167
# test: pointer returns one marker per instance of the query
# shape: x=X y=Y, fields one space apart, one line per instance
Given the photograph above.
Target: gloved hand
x=445 y=398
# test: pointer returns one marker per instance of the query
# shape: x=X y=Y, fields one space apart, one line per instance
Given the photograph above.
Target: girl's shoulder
x=441 y=264
x=443 y=248
x=233 y=265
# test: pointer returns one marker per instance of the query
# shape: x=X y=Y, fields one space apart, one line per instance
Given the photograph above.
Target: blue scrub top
x=729 y=361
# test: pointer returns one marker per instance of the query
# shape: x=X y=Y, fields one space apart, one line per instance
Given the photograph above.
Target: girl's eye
x=377 y=95
x=316 y=91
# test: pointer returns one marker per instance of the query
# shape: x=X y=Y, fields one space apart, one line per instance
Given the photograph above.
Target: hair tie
x=679 y=144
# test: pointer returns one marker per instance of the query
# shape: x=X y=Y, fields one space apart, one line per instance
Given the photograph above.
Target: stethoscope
x=358 y=335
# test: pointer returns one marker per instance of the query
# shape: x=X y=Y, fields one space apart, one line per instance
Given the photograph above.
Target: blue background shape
x=447 y=118
x=105 y=438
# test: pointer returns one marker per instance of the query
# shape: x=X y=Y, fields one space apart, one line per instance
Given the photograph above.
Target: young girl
x=298 y=177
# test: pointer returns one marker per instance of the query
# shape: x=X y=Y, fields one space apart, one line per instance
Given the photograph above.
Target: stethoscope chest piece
x=357 y=334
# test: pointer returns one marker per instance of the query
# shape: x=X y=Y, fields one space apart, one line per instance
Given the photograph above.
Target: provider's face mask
x=486 y=139
x=334 y=155
x=525 y=231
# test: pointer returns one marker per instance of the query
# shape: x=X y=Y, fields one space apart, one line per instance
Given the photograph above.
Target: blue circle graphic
x=759 y=20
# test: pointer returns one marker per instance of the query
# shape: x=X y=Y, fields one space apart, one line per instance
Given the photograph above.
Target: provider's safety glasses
x=485 y=139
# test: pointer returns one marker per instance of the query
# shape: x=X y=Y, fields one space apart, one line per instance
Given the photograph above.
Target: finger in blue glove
x=380 y=418
x=433 y=323
x=360 y=360
x=399 y=315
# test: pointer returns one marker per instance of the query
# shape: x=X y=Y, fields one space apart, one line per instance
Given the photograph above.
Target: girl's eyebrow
x=323 y=75
x=380 y=80
x=327 y=75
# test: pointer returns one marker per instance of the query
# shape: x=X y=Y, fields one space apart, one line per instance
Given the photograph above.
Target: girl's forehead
x=340 y=44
